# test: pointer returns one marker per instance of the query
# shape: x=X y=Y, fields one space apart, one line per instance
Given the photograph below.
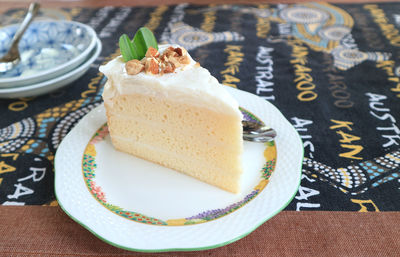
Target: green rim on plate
x=73 y=147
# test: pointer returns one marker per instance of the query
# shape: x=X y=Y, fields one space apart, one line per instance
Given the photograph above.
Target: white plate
x=55 y=83
x=48 y=49
x=107 y=191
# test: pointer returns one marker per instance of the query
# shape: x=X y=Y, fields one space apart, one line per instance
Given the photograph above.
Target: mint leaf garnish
x=128 y=49
x=144 y=39
x=137 y=48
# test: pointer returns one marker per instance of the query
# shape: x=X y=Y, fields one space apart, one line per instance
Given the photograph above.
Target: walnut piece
x=170 y=52
x=168 y=67
x=184 y=60
x=133 y=67
x=174 y=61
x=151 y=65
x=180 y=51
x=152 y=52
x=155 y=63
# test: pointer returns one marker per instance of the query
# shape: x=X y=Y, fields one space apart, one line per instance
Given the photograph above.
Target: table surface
x=47 y=230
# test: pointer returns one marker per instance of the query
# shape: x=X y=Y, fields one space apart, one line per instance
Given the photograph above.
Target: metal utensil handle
x=32 y=11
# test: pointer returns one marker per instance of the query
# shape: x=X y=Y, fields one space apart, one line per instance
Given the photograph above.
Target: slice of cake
x=167 y=109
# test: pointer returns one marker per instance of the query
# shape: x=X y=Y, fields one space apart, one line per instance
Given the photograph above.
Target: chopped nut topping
x=155 y=63
x=168 y=68
x=151 y=65
x=170 y=52
x=180 y=51
x=184 y=59
x=133 y=67
x=164 y=58
x=174 y=61
x=152 y=52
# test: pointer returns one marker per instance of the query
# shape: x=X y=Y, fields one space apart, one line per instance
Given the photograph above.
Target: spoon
x=12 y=57
x=256 y=132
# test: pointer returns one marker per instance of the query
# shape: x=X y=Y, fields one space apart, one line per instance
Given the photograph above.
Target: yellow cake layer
x=177 y=114
x=202 y=170
x=208 y=134
x=194 y=140
x=180 y=142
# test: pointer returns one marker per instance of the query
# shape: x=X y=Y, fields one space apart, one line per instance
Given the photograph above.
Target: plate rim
x=85 y=53
x=180 y=249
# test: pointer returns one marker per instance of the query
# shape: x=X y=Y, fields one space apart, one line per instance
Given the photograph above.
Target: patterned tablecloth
x=333 y=71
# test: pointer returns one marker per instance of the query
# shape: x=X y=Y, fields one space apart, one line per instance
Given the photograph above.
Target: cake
x=167 y=109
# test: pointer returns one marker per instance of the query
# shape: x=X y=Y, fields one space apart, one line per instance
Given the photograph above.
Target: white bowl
x=55 y=83
x=48 y=49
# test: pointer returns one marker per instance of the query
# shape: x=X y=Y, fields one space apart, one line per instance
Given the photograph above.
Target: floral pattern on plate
x=89 y=173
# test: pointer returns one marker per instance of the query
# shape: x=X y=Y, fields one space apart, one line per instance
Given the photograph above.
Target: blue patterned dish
x=56 y=83
x=48 y=49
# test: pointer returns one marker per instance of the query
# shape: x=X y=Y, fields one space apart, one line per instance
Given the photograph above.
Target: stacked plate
x=53 y=55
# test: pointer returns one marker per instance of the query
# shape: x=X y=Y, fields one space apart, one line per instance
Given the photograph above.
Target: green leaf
x=128 y=49
x=144 y=39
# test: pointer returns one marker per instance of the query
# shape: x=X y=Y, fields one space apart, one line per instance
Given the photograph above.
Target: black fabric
x=332 y=70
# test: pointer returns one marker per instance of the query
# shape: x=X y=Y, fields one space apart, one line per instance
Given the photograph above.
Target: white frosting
x=190 y=83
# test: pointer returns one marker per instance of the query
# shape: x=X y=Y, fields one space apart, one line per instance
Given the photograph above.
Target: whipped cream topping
x=190 y=83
